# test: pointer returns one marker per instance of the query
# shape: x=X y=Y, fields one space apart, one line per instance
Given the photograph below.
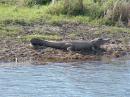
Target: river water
x=81 y=79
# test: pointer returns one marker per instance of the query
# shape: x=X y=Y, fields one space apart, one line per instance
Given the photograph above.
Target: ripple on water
x=91 y=79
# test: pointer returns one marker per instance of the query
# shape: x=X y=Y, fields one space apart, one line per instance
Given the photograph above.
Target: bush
x=57 y=8
x=78 y=7
x=36 y=2
x=94 y=10
x=70 y=7
x=25 y=2
x=8 y=1
x=109 y=12
x=74 y=7
x=119 y=12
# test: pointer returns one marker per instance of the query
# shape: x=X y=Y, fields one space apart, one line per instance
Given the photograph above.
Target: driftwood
x=77 y=45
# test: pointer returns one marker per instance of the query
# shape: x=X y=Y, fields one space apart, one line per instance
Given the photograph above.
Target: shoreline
x=17 y=47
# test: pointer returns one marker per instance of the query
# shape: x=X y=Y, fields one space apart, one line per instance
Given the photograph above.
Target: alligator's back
x=53 y=44
x=75 y=45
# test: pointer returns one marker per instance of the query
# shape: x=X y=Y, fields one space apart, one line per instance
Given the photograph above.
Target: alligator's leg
x=68 y=47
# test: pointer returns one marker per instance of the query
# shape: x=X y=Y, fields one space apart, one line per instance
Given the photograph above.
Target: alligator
x=75 y=45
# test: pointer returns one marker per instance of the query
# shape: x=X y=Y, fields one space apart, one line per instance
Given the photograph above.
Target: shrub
x=36 y=2
x=78 y=7
x=68 y=7
x=119 y=12
x=57 y=8
x=74 y=7
x=25 y=2
x=8 y=1
x=94 y=10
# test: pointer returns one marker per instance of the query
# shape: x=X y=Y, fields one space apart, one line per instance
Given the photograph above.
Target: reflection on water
x=92 y=79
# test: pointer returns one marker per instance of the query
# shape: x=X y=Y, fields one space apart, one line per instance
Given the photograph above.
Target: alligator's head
x=100 y=41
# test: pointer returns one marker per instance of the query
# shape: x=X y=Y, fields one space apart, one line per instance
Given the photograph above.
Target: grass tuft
x=45 y=37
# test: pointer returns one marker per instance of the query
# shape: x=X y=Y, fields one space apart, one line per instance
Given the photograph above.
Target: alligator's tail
x=38 y=42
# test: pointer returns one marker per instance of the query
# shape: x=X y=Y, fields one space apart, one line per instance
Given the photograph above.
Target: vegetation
x=36 y=2
x=94 y=12
x=108 y=12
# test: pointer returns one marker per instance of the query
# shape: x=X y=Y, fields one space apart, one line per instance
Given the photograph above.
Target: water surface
x=84 y=79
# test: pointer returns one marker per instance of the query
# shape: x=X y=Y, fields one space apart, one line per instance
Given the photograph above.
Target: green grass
x=9 y=31
x=45 y=37
x=26 y=15
x=11 y=15
x=93 y=12
x=117 y=30
x=14 y=13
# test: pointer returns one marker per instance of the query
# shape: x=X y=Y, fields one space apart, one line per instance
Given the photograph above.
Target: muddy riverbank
x=17 y=47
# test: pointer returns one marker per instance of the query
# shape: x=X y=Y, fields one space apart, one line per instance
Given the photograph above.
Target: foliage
x=36 y=2
x=109 y=12
x=7 y=1
x=119 y=12
x=29 y=3
x=45 y=37
x=70 y=7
